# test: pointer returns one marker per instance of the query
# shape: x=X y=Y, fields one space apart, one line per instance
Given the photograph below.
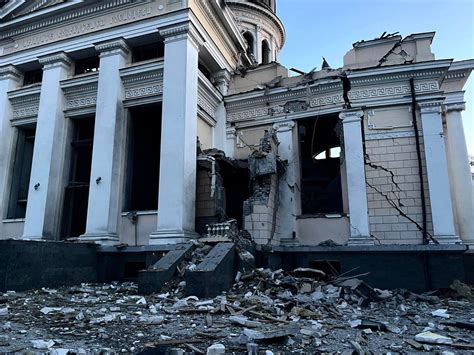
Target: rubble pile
x=303 y=311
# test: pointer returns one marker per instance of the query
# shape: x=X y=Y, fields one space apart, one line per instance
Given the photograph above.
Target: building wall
x=395 y=156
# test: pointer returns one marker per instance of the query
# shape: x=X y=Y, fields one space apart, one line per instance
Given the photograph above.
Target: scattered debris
x=433 y=338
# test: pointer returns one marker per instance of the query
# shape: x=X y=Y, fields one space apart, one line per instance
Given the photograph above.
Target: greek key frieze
x=144 y=91
x=81 y=102
x=29 y=111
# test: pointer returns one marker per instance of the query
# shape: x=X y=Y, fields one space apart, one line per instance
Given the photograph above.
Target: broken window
x=21 y=172
x=148 y=52
x=250 y=42
x=77 y=190
x=87 y=65
x=265 y=52
x=32 y=77
x=320 y=151
x=143 y=160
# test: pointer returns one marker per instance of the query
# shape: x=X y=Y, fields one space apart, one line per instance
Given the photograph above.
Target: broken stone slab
x=244 y=321
x=153 y=279
x=42 y=344
x=309 y=273
x=271 y=336
x=216 y=349
x=3 y=312
x=432 y=338
x=216 y=273
x=443 y=313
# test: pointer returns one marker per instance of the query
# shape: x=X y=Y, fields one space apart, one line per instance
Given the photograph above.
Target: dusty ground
x=279 y=312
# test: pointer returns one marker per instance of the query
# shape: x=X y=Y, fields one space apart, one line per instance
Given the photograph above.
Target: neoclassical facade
x=143 y=122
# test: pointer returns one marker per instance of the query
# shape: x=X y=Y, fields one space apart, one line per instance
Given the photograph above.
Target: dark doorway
x=143 y=159
x=320 y=151
x=21 y=172
x=236 y=183
x=77 y=190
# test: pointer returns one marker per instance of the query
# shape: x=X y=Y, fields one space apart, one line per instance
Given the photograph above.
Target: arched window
x=265 y=52
x=249 y=39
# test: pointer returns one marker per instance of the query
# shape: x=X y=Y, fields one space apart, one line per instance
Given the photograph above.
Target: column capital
x=115 y=46
x=352 y=115
x=54 y=60
x=9 y=72
x=430 y=106
x=180 y=31
x=222 y=80
x=231 y=132
x=283 y=126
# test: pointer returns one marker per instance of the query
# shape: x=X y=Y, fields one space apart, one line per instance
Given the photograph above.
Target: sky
x=317 y=28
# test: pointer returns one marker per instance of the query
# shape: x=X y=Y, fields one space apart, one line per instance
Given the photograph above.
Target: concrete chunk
x=216 y=273
x=153 y=279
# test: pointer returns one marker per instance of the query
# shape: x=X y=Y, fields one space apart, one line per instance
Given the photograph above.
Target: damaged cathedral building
x=130 y=128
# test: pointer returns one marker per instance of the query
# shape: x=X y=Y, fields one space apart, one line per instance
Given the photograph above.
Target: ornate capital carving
x=222 y=79
x=458 y=106
x=9 y=72
x=116 y=46
x=353 y=115
x=284 y=126
x=430 y=107
x=56 y=59
x=231 y=133
x=182 y=31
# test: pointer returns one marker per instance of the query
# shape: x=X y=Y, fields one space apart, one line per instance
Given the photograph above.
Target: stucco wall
x=397 y=156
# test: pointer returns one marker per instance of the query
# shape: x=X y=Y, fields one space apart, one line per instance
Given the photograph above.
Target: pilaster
x=437 y=171
x=221 y=80
x=459 y=169
x=287 y=208
x=356 y=184
x=177 y=189
x=104 y=205
x=45 y=191
x=9 y=80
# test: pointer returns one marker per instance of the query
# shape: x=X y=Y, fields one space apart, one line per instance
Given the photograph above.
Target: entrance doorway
x=77 y=190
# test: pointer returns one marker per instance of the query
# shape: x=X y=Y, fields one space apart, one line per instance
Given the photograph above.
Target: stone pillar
x=230 y=140
x=104 y=205
x=45 y=191
x=460 y=172
x=221 y=80
x=177 y=190
x=437 y=171
x=287 y=202
x=9 y=80
x=355 y=171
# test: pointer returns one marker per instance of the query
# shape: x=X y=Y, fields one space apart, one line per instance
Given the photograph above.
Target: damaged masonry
x=167 y=186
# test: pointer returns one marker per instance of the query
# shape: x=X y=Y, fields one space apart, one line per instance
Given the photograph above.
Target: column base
x=100 y=238
x=172 y=236
x=360 y=241
x=448 y=239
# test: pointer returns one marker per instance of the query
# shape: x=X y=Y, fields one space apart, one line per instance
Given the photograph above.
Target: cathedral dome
x=261 y=28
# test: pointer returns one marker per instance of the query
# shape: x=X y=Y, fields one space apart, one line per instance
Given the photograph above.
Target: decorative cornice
x=458 y=106
x=389 y=135
x=142 y=81
x=9 y=72
x=352 y=115
x=430 y=106
x=181 y=31
x=116 y=46
x=52 y=60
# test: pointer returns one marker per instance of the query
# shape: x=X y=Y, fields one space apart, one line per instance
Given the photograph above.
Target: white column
x=9 y=80
x=437 y=171
x=104 y=205
x=460 y=172
x=177 y=190
x=287 y=202
x=44 y=195
x=356 y=185
x=221 y=80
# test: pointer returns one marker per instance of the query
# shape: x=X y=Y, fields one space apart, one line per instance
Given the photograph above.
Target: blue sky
x=317 y=28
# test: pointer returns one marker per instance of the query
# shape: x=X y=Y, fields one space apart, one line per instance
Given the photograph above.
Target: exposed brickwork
x=206 y=206
x=399 y=156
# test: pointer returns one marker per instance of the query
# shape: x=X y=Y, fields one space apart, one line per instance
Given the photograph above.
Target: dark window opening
x=87 y=65
x=21 y=173
x=205 y=71
x=236 y=183
x=265 y=52
x=77 y=190
x=250 y=42
x=320 y=150
x=143 y=161
x=32 y=77
x=148 y=52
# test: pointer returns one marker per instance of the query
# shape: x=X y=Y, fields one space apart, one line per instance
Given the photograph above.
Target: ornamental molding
x=316 y=102
x=455 y=75
x=211 y=17
x=261 y=21
x=389 y=135
x=51 y=60
x=460 y=106
x=284 y=126
x=118 y=45
x=25 y=102
x=80 y=92
x=208 y=98
x=350 y=116
x=375 y=78
x=144 y=80
x=9 y=72
x=430 y=107
x=181 y=31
